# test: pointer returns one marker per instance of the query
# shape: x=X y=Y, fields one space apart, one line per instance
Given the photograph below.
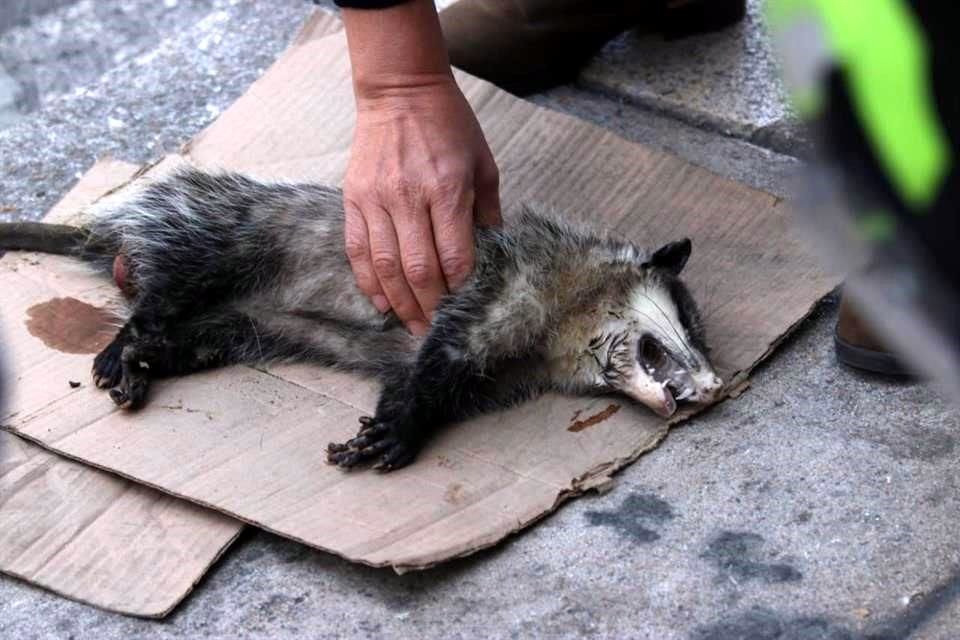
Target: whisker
x=681 y=346
x=666 y=336
x=256 y=334
x=667 y=318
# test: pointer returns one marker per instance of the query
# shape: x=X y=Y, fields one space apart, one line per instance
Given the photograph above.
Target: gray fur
x=229 y=269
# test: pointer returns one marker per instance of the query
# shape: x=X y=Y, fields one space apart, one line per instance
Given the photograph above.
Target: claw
x=373 y=431
x=104 y=380
x=120 y=397
x=345 y=459
x=376 y=447
x=360 y=442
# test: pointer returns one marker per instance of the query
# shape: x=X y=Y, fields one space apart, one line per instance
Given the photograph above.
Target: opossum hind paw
x=107 y=367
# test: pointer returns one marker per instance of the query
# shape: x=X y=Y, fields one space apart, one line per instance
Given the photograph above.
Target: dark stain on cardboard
x=71 y=326
x=579 y=425
x=179 y=407
x=454 y=494
x=635 y=518
x=446 y=463
x=737 y=556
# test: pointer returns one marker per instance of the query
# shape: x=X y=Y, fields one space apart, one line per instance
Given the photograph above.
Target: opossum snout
x=705 y=387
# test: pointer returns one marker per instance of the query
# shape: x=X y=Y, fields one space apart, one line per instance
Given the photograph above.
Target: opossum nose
x=710 y=389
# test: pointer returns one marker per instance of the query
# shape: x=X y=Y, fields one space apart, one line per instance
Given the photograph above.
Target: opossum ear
x=672 y=256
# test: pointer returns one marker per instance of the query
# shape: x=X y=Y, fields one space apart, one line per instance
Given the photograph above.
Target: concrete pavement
x=819 y=505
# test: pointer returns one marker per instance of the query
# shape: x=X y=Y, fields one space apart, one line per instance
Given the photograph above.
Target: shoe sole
x=869 y=360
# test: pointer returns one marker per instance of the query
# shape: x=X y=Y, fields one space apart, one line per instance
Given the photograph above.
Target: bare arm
x=420 y=173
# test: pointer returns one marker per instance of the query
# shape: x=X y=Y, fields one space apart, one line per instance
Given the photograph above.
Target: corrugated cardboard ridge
x=250 y=443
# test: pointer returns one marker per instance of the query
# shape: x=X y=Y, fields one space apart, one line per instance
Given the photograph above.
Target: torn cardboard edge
x=88 y=535
x=477 y=483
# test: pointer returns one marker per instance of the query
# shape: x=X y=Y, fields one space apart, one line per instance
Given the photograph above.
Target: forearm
x=395 y=49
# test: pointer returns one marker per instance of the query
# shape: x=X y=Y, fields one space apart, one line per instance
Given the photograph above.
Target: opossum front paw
x=107 y=367
x=377 y=441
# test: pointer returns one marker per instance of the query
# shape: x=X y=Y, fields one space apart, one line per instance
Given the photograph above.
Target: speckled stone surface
x=146 y=106
x=10 y=95
x=74 y=45
x=13 y=12
x=821 y=505
x=751 y=164
x=726 y=81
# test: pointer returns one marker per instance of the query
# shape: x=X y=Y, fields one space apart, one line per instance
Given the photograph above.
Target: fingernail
x=417 y=328
x=381 y=303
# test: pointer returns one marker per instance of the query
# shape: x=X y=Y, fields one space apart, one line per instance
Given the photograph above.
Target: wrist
x=406 y=93
x=396 y=51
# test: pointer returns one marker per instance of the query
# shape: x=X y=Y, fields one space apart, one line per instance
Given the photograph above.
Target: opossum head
x=649 y=343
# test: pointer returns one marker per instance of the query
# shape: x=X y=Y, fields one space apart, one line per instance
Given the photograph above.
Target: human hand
x=421 y=174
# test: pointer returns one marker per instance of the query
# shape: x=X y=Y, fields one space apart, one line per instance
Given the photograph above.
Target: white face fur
x=648 y=355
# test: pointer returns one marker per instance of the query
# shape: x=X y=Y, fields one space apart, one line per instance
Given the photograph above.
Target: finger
x=356 y=240
x=418 y=253
x=487 y=200
x=453 y=233
x=387 y=264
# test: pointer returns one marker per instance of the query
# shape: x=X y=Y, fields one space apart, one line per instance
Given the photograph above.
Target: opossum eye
x=651 y=354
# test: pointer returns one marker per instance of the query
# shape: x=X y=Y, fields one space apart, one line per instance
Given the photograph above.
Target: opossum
x=222 y=268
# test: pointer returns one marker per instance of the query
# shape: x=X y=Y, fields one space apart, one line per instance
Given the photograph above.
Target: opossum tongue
x=653 y=394
x=669 y=403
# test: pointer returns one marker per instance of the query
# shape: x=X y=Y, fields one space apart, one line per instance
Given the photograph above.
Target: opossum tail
x=50 y=238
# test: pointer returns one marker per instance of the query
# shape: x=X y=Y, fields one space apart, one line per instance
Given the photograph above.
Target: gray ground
x=819 y=505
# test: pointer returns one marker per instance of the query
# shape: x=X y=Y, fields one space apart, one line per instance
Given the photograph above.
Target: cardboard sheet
x=91 y=536
x=70 y=528
x=250 y=443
